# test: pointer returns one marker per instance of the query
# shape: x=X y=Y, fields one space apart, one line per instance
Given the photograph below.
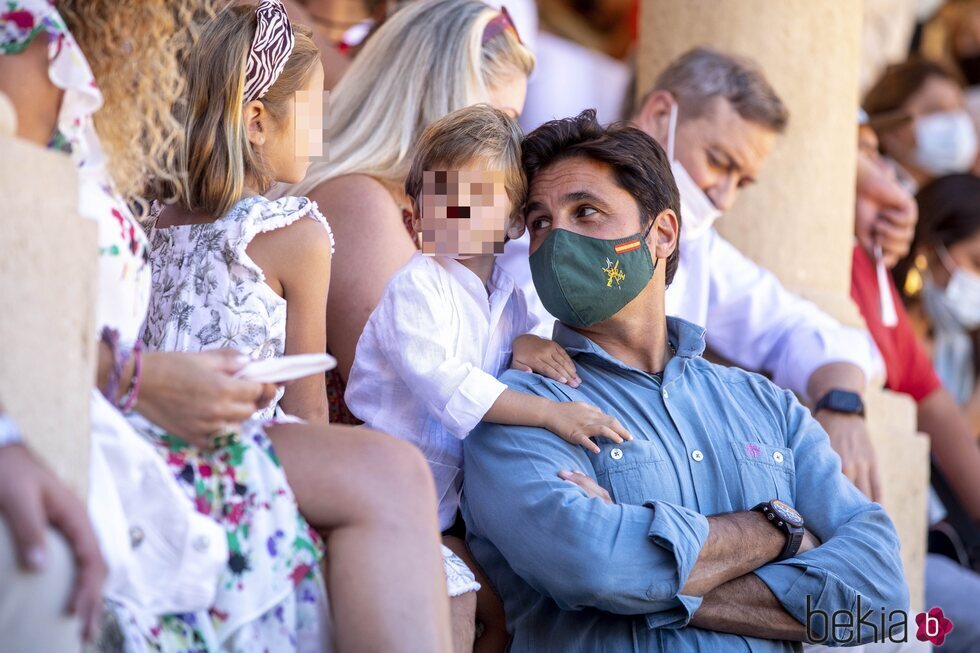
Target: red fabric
x=907 y=365
x=339 y=412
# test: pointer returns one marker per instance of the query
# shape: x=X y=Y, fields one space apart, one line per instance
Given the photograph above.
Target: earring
x=261 y=140
x=914 y=278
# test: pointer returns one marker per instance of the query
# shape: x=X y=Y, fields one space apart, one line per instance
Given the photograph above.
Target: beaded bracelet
x=128 y=402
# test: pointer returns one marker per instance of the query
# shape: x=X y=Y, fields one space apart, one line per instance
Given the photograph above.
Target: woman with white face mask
x=940 y=280
x=919 y=110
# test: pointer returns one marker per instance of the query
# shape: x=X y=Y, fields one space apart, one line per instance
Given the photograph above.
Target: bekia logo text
x=868 y=624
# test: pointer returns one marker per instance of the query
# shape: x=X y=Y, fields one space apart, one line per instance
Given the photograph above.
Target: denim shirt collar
x=686 y=338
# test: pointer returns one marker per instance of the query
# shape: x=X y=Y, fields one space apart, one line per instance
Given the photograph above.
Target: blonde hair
x=426 y=61
x=474 y=133
x=217 y=161
x=140 y=76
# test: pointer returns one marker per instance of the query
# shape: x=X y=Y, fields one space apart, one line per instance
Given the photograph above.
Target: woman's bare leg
x=373 y=498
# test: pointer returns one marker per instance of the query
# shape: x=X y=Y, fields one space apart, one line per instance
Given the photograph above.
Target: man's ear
x=664 y=237
x=256 y=122
x=653 y=116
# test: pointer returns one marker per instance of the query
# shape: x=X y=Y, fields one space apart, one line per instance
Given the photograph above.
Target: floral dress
x=208 y=293
x=268 y=587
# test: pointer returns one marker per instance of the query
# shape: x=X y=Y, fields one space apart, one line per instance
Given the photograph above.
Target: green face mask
x=583 y=280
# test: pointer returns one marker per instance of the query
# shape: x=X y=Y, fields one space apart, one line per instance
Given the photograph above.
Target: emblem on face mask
x=614 y=273
x=622 y=248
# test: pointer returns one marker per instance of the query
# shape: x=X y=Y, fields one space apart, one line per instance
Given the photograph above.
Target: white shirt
x=426 y=365
x=754 y=322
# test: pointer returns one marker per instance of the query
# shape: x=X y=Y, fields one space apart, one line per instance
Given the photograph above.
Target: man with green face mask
x=701 y=534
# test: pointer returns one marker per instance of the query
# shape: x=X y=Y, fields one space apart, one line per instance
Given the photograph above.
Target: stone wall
x=47 y=299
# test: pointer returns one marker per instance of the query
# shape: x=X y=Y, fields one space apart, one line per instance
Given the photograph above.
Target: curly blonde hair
x=135 y=50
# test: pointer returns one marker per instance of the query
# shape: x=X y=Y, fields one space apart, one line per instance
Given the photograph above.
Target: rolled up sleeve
x=575 y=549
x=471 y=400
x=860 y=551
x=676 y=529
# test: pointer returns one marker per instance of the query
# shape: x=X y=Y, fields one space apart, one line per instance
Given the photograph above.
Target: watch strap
x=794 y=534
x=841 y=401
x=794 y=540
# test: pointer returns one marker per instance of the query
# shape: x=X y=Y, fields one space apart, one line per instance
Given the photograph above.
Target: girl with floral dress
x=205 y=546
x=232 y=269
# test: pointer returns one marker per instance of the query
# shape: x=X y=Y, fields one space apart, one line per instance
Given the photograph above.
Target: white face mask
x=946 y=142
x=698 y=212
x=962 y=294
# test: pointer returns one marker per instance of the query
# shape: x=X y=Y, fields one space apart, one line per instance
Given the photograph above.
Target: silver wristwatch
x=9 y=433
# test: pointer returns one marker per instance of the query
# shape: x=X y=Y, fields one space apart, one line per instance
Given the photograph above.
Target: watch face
x=849 y=402
x=786 y=512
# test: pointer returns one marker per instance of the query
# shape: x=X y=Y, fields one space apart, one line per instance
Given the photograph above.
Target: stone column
x=798 y=220
x=47 y=299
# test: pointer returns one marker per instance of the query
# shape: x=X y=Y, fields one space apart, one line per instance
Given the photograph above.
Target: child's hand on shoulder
x=544 y=357
x=576 y=421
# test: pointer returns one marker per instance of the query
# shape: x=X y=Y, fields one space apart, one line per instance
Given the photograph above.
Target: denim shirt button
x=697 y=455
x=778 y=456
x=616 y=454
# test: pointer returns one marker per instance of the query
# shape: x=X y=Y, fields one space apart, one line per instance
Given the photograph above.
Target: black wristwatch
x=841 y=401
x=784 y=517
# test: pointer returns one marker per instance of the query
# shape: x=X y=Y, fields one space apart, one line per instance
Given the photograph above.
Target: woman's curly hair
x=136 y=51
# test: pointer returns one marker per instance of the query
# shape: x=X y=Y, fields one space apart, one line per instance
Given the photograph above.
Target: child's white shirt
x=426 y=364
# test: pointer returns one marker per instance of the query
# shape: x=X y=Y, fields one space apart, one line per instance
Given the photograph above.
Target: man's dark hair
x=638 y=163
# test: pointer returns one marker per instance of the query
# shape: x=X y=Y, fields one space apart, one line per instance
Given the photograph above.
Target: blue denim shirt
x=578 y=574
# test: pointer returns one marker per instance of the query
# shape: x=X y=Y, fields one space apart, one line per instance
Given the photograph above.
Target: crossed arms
x=669 y=563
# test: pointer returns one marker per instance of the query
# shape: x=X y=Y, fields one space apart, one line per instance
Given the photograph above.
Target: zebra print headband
x=271 y=47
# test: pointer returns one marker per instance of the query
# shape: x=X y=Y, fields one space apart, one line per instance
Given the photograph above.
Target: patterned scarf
x=271 y=47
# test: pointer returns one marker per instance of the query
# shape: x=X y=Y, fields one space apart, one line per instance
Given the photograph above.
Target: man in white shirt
x=718 y=118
